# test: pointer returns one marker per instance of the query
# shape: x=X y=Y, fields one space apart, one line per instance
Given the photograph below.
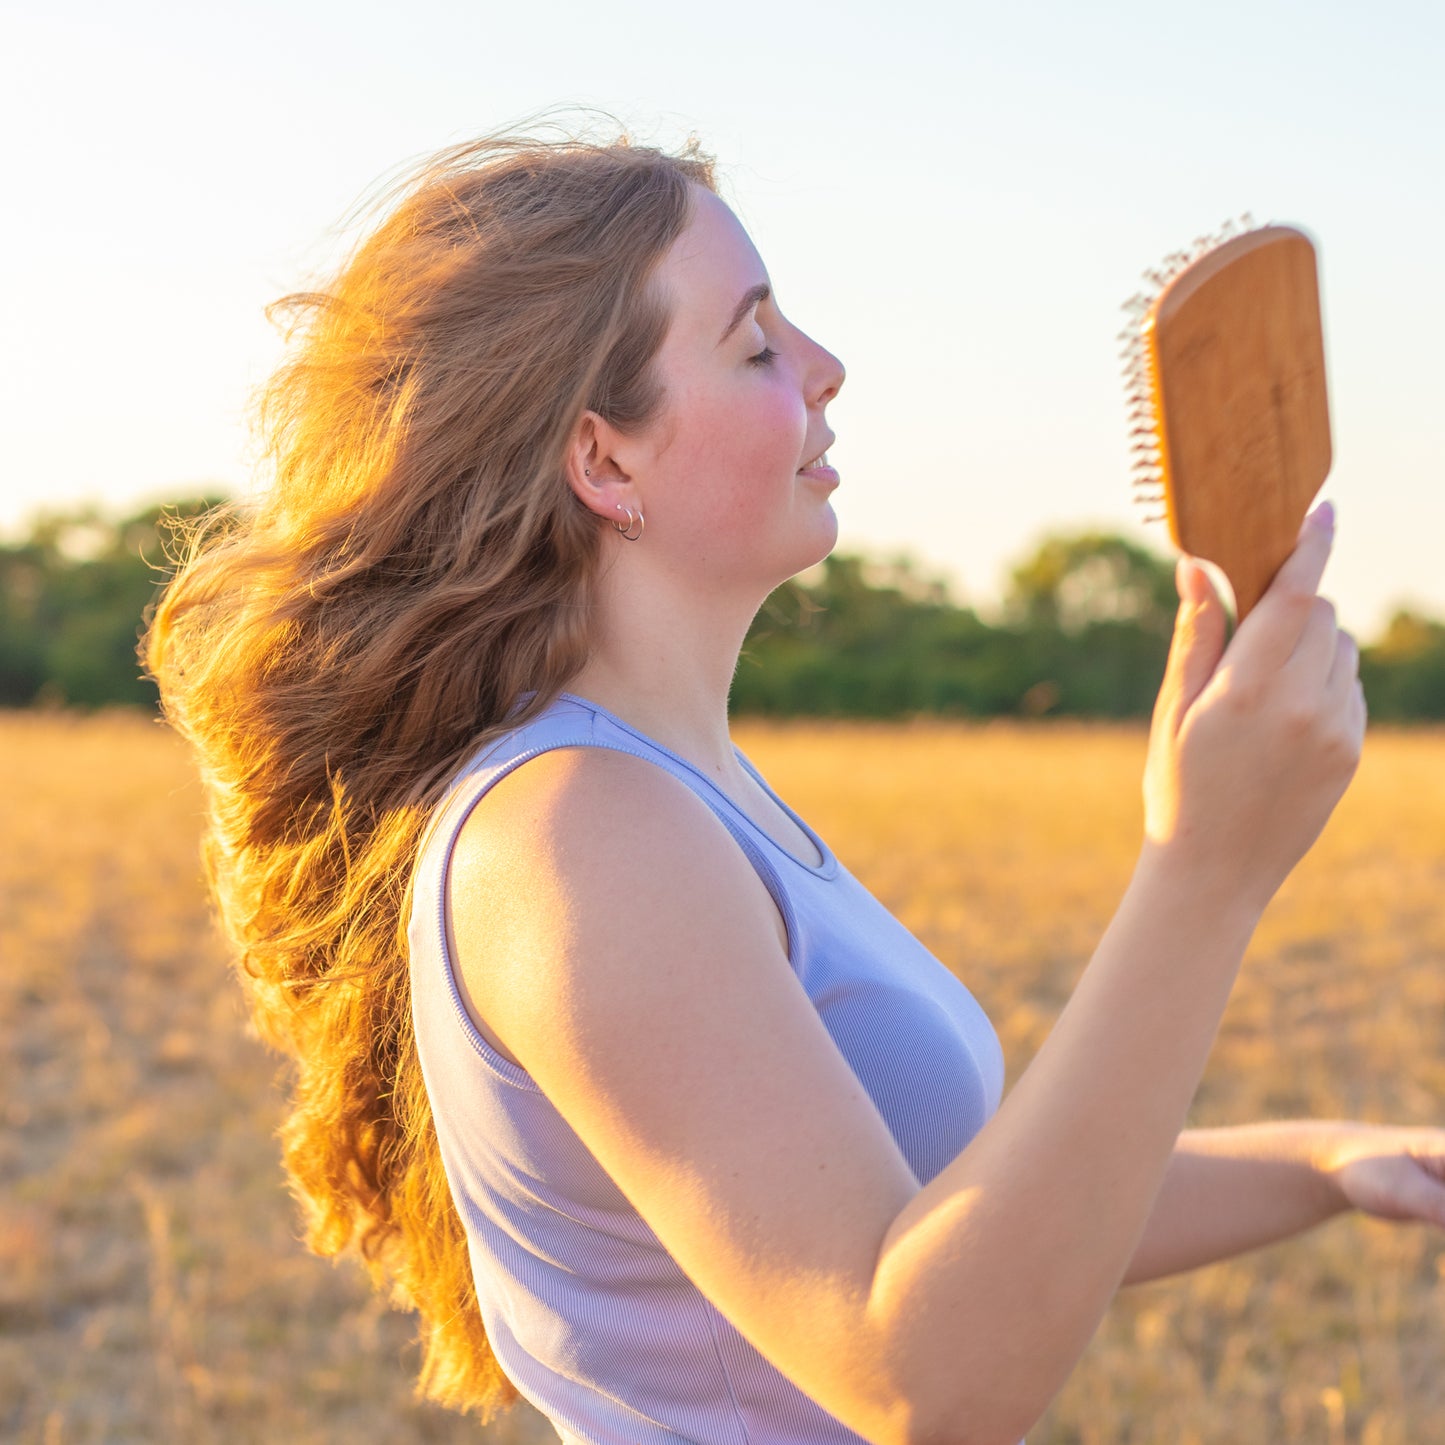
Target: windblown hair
x=417 y=566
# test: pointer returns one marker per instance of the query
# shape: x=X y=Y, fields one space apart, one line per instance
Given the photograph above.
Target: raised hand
x=1253 y=744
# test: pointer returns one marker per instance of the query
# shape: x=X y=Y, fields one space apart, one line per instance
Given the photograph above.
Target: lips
x=821 y=460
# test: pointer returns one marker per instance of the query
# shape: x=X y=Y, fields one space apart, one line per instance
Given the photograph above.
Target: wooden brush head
x=1231 y=411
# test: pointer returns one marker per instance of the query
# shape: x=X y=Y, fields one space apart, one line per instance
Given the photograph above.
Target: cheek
x=752 y=445
x=726 y=477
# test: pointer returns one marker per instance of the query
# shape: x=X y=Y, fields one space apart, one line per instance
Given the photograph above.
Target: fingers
x=1418 y=1194
x=1347 y=696
x=1319 y=687
x=1326 y=656
x=1398 y=1174
x=1193 y=582
x=1349 y=723
x=1198 y=643
x=1271 y=633
x=1344 y=670
x=1430 y=1155
x=1344 y=693
x=1317 y=653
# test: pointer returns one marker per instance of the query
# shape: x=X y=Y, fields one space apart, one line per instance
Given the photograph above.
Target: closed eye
x=765 y=357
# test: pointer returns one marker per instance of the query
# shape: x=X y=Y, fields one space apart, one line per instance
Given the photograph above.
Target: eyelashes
x=765 y=357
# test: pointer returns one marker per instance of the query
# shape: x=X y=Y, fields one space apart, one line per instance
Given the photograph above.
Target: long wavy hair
x=334 y=652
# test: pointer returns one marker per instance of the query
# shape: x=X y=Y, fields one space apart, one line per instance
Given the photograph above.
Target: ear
x=594 y=472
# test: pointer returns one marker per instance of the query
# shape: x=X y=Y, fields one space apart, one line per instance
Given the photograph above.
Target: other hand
x=1389 y=1173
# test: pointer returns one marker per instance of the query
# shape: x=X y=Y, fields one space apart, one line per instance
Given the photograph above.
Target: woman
x=604 y=1062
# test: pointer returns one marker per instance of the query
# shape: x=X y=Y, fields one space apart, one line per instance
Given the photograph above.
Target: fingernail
x=1323 y=517
x=1183 y=580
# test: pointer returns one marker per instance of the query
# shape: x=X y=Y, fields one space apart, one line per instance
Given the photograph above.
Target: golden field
x=151 y=1285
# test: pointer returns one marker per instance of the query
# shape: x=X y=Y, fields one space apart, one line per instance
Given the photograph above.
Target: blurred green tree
x=1084 y=631
x=1404 y=671
x=1088 y=622
x=72 y=594
x=1076 y=580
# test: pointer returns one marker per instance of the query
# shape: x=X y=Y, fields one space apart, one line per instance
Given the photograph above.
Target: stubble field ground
x=151 y=1285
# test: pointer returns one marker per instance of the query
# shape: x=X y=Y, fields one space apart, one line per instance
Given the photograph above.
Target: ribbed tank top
x=587 y=1313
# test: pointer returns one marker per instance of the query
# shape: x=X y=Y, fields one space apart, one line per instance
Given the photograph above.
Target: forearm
x=992 y=1279
x=1227 y=1191
x=1024 y=1239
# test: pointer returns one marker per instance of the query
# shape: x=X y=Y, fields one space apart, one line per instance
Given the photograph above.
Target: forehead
x=707 y=268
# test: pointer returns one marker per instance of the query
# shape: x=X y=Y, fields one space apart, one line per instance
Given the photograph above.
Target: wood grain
x=1236 y=355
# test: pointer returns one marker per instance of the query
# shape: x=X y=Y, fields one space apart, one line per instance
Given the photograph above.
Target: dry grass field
x=151 y=1286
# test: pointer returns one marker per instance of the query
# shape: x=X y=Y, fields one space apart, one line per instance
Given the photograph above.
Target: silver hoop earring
x=628 y=534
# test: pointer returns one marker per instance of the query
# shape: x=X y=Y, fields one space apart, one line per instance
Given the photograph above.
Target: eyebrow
x=753 y=296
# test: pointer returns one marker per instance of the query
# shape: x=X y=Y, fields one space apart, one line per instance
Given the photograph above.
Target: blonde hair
x=417 y=566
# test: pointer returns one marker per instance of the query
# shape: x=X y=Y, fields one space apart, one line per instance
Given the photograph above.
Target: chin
x=829 y=534
x=824 y=539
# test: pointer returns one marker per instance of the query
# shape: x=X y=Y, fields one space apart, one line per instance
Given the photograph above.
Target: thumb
x=1199 y=634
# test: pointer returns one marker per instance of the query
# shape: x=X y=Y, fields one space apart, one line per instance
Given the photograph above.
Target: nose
x=826 y=376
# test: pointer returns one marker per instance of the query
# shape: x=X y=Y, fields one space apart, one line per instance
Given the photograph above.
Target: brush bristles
x=1146 y=439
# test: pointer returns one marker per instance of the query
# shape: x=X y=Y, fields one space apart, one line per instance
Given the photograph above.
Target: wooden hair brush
x=1230 y=418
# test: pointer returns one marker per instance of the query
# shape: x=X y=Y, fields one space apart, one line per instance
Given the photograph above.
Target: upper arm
x=622 y=948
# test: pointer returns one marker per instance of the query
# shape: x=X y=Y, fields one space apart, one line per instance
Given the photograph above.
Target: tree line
x=1083 y=632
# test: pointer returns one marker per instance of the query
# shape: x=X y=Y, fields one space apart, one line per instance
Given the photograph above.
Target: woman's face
x=726 y=474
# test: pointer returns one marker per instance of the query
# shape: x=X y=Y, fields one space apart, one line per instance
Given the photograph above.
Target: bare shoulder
x=580 y=863
x=578 y=797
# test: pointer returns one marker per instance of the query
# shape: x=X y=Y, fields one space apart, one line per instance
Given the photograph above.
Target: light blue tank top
x=587 y=1313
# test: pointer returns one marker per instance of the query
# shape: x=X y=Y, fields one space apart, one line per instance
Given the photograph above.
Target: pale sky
x=956 y=199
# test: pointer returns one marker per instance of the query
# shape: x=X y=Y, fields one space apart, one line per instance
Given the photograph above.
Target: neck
x=663 y=661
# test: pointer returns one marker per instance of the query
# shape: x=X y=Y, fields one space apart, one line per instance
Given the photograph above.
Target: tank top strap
x=573 y=723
